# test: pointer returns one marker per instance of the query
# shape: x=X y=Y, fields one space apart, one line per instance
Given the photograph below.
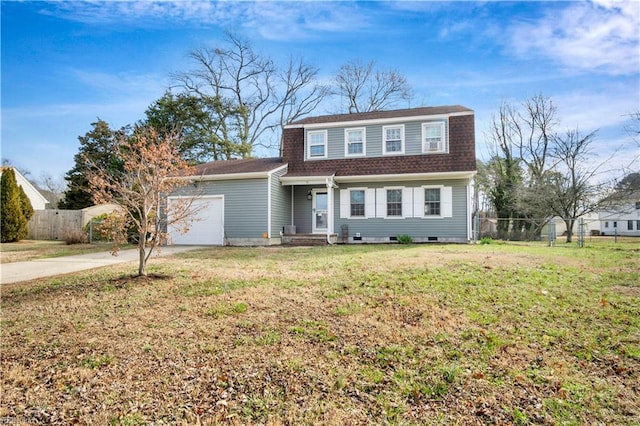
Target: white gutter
x=405 y=177
x=390 y=120
x=304 y=180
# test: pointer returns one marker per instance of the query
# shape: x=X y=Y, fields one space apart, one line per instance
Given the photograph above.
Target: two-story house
x=366 y=177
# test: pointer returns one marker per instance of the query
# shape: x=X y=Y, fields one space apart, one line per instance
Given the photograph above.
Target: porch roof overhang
x=399 y=177
x=306 y=180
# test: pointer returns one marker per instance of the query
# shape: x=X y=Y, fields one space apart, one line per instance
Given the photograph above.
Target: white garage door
x=208 y=229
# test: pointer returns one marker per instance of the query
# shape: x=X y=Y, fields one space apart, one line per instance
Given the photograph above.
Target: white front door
x=320 y=212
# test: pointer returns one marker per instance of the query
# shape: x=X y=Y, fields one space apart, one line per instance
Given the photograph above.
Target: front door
x=320 y=211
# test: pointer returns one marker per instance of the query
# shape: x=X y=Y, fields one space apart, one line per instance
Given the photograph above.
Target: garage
x=208 y=228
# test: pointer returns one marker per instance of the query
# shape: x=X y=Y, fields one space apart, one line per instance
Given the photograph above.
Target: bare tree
x=52 y=188
x=258 y=97
x=521 y=136
x=369 y=89
x=299 y=94
x=634 y=128
x=572 y=190
x=150 y=167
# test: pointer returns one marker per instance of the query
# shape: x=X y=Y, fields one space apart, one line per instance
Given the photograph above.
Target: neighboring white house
x=622 y=220
x=591 y=223
x=38 y=201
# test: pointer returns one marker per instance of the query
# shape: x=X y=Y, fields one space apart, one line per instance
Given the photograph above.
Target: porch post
x=330 y=185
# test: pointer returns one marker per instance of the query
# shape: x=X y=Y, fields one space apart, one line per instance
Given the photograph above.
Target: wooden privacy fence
x=58 y=224
x=54 y=224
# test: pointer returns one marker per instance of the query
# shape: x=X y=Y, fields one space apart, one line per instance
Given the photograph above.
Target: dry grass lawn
x=345 y=335
x=26 y=250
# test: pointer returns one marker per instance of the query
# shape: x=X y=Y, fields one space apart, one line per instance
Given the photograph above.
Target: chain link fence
x=542 y=230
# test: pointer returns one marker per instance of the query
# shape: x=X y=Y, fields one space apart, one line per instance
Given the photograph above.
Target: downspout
x=269 y=207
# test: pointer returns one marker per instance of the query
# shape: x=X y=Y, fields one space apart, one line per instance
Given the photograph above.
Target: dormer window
x=434 y=138
x=355 y=142
x=317 y=144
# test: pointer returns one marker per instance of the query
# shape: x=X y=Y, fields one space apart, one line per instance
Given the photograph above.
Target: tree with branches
x=536 y=173
x=15 y=208
x=571 y=190
x=256 y=98
x=97 y=149
x=151 y=167
x=368 y=88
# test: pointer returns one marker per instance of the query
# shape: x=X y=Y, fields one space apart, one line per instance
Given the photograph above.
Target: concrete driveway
x=41 y=268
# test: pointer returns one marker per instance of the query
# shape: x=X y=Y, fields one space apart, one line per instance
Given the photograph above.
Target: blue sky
x=66 y=63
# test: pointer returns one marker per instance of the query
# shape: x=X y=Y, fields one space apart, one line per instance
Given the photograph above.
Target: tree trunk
x=142 y=267
x=569 y=223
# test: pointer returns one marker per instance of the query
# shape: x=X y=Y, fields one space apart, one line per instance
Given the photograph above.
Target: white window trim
x=445 y=136
x=381 y=202
x=446 y=202
x=384 y=140
x=364 y=141
x=316 y=157
x=369 y=203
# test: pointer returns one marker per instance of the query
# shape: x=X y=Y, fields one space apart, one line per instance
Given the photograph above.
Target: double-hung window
x=393 y=139
x=317 y=144
x=434 y=137
x=357 y=202
x=432 y=202
x=394 y=202
x=630 y=225
x=355 y=144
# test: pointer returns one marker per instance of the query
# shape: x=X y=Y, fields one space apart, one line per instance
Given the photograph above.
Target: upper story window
x=317 y=144
x=434 y=137
x=393 y=139
x=637 y=205
x=355 y=142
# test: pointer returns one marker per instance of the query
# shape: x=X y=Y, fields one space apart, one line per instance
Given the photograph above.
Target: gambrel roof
x=381 y=115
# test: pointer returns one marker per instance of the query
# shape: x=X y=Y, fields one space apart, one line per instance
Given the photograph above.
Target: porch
x=309 y=239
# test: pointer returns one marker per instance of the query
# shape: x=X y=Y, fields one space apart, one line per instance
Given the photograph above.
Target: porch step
x=304 y=239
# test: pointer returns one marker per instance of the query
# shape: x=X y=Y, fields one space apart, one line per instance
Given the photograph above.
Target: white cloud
x=122 y=85
x=586 y=36
x=272 y=20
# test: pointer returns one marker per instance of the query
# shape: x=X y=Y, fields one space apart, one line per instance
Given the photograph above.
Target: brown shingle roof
x=224 y=167
x=376 y=115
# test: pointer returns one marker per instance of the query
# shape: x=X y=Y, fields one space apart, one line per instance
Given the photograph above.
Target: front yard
x=423 y=334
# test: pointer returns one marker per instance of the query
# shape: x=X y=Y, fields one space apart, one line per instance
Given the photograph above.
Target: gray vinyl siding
x=412 y=134
x=245 y=204
x=302 y=210
x=453 y=227
x=280 y=204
